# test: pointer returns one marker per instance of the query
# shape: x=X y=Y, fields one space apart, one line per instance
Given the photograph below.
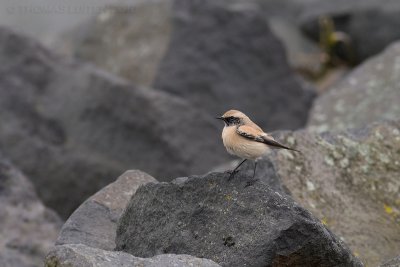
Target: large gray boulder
x=27 y=228
x=350 y=181
x=222 y=57
x=128 y=41
x=132 y=44
x=228 y=222
x=79 y=255
x=73 y=128
x=370 y=93
x=371 y=24
x=94 y=223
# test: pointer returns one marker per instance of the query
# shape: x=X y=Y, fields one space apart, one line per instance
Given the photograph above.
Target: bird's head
x=233 y=118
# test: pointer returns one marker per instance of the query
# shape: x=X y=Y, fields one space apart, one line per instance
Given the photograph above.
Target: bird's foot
x=232 y=174
x=250 y=182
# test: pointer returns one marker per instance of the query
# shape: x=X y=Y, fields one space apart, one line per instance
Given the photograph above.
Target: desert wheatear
x=245 y=139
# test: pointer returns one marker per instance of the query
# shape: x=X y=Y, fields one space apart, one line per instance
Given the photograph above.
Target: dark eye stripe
x=232 y=120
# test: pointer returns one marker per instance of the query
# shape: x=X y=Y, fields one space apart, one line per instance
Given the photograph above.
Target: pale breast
x=241 y=146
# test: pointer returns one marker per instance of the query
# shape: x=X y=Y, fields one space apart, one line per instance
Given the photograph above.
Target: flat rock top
x=116 y=195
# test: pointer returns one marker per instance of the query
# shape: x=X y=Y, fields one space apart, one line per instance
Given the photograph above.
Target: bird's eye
x=233 y=120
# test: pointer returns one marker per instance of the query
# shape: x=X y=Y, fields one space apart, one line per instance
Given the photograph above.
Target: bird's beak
x=220 y=118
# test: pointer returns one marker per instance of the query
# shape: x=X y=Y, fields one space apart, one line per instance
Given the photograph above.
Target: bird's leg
x=252 y=181
x=255 y=167
x=235 y=170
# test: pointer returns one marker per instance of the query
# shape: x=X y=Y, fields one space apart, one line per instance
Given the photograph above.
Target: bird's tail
x=276 y=144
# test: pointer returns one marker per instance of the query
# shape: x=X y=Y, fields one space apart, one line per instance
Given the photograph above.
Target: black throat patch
x=230 y=121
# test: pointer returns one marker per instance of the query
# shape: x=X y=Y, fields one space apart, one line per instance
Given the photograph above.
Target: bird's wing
x=250 y=133
x=259 y=136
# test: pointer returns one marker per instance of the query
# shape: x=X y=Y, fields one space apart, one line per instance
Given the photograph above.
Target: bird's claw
x=250 y=183
x=232 y=174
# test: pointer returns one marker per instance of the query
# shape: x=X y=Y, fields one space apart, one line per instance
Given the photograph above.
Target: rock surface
x=350 y=181
x=370 y=93
x=73 y=128
x=27 y=228
x=94 y=223
x=233 y=225
x=226 y=57
x=361 y=20
x=392 y=263
x=129 y=44
x=88 y=237
x=79 y=255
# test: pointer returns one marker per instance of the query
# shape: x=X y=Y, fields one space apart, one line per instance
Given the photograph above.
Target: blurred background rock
x=91 y=89
x=46 y=20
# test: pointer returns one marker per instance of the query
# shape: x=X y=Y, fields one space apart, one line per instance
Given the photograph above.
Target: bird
x=246 y=140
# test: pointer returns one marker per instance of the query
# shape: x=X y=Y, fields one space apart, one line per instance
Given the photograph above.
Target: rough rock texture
x=370 y=93
x=392 y=263
x=73 y=128
x=129 y=44
x=94 y=223
x=27 y=228
x=222 y=58
x=83 y=256
x=362 y=20
x=233 y=225
x=350 y=181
